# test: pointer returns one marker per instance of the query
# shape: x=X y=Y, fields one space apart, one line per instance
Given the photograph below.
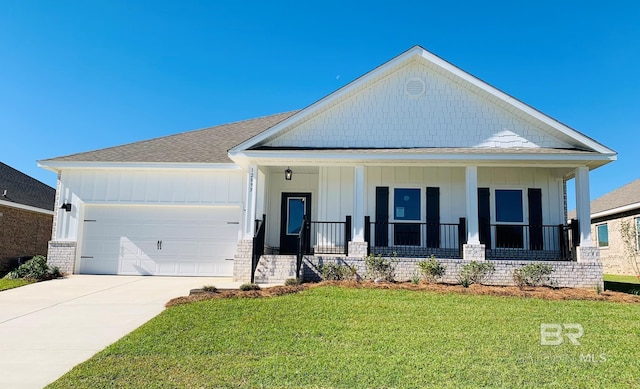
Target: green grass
x=618 y=278
x=10 y=284
x=356 y=338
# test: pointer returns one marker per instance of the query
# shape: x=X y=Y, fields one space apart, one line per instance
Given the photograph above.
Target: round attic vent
x=414 y=87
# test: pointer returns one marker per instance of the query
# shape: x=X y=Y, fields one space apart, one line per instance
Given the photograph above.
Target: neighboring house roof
x=25 y=190
x=208 y=145
x=622 y=199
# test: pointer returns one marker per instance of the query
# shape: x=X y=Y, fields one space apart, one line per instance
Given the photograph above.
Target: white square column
x=357 y=247
x=583 y=205
x=251 y=202
x=358 y=205
x=471 y=186
x=586 y=250
x=473 y=250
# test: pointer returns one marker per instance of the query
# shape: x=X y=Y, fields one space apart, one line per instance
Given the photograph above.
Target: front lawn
x=6 y=283
x=619 y=278
x=341 y=337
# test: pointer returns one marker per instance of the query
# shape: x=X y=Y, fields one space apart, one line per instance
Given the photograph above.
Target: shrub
x=431 y=269
x=249 y=286
x=475 y=272
x=292 y=281
x=379 y=268
x=36 y=269
x=534 y=274
x=415 y=279
x=337 y=272
x=209 y=288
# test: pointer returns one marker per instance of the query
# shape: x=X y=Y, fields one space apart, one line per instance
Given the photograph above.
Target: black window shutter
x=382 y=216
x=484 y=216
x=535 y=219
x=433 y=217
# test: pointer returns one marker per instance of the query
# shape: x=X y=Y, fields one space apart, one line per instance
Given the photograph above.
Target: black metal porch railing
x=258 y=245
x=329 y=237
x=535 y=242
x=320 y=237
x=444 y=240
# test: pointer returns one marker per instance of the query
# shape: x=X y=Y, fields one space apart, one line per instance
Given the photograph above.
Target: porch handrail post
x=462 y=234
x=367 y=233
x=347 y=234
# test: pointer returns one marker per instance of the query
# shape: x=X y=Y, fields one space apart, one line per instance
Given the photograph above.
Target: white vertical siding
x=305 y=183
x=169 y=187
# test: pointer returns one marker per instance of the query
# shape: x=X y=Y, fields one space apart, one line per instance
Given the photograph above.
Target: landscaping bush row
x=35 y=269
x=380 y=269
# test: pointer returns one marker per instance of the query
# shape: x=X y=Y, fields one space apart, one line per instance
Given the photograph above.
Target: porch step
x=275 y=269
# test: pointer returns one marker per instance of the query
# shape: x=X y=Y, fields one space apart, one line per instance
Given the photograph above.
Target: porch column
x=471 y=185
x=251 y=202
x=358 y=247
x=587 y=250
x=583 y=206
x=358 y=205
x=473 y=250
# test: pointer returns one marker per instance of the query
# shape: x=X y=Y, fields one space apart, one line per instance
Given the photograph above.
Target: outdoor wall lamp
x=66 y=207
x=287 y=174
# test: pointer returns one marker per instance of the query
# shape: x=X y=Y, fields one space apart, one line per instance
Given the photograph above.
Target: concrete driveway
x=48 y=327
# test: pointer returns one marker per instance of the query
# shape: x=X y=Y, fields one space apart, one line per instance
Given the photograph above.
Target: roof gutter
x=613 y=211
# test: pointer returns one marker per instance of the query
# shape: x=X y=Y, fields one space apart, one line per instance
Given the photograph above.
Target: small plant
x=379 y=268
x=35 y=269
x=431 y=269
x=209 y=288
x=598 y=289
x=292 y=281
x=337 y=272
x=533 y=274
x=475 y=272
x=415 y=279
x=249 y=286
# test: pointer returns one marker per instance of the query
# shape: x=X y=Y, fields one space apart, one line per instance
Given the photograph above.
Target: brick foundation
x=63 y=255
x=473 y=252
x=566 y=274
x=242 y=261
x=358 y=249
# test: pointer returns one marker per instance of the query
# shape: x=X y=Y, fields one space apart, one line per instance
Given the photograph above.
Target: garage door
x=159 y=240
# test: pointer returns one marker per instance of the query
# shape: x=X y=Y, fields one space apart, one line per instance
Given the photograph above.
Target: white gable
x=392 y=113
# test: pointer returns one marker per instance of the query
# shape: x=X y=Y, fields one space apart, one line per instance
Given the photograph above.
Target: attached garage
x=159 y=240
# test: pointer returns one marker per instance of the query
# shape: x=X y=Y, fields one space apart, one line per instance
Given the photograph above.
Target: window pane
x=406 y=204
x=509 y=206
x=295 y=215
x=603 y=235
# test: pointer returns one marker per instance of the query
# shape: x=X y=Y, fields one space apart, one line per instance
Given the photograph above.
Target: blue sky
x=82 y=75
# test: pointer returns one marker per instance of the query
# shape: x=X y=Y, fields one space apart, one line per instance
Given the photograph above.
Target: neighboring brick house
x=26 y=215
x=611 y=214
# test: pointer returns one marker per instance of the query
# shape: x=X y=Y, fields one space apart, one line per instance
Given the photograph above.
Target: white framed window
x=509 y=218
x=602 y=230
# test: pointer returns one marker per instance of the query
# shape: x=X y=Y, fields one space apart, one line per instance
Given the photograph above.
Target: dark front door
x=294 y=208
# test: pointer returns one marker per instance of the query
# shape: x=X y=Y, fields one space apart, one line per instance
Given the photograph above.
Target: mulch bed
x=508 y=291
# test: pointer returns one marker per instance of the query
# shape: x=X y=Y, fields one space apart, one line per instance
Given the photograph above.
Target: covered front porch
x=468 y=212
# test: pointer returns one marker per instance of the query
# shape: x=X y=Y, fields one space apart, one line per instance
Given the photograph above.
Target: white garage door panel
x=124 y=240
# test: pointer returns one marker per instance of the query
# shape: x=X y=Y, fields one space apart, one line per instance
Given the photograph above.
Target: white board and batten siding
x=335 y=192
x=173 y=222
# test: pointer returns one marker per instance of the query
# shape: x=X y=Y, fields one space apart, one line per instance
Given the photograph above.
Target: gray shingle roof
x=207 y=145
x=25 y=190
x=625 y=195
